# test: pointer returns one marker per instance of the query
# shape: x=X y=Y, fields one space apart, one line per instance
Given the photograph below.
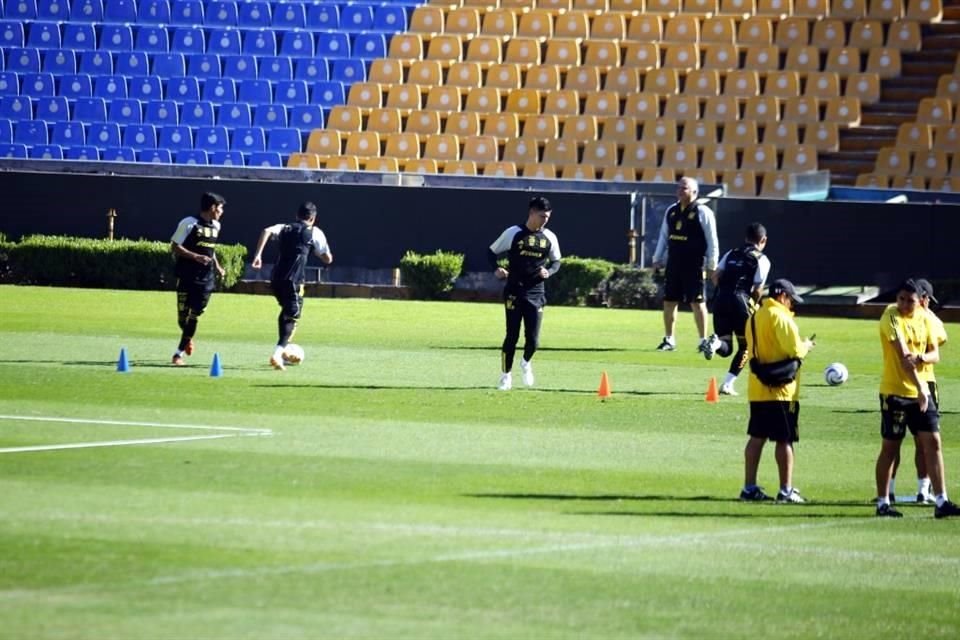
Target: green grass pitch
x=399 y=495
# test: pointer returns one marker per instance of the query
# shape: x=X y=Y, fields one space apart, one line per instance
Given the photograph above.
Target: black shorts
x=775 y=420
x=683 y=284
x=730 y=315
x=290 y=297
x=194 y=295
x=897 y=414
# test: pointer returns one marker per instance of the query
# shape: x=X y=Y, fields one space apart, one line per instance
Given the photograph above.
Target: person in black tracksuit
x=297 y=241
x=533 y=255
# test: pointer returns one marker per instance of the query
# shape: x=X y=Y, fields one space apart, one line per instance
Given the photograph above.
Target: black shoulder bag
x=772 y=374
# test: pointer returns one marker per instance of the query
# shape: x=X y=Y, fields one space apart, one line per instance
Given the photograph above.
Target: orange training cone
x=604 y=390
x=712 y=395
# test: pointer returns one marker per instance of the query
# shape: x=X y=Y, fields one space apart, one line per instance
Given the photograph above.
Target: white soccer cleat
x=277 y=363
x=506 y=382
x=728 y=390
x=527 y=370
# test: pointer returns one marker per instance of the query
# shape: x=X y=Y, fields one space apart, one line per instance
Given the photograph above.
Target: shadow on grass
x=786 y=512
x=602 y=497
x=877 y=412
x=382 y=387
x=496 y=348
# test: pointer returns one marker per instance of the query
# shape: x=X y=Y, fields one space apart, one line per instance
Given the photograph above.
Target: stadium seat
x=152 y=39
x=23 y=60
x=9 y=83
x=546 y=77
x=700 y=133
x=348 y=71
x=625 y=81
x=11 y=35
x=824 y=136
x=155 y=156
x=86 y=11
x=782 y=134
x=356 y=17
x=324 y=142
x=132 y=63
x=389 y=18
x=90 y=110
x=319 y=15
x=539 y=170
x=145 y=88
x=116 y=37
x=191 y=156
x=184 y=89
x=175 y=137
x=239 y=68
x=259 y=43
x=369 y=46
x=37 y=85
x=197 y=114
x=188 y=39
x=74 y=86
x=481 y=49
x=219 y=90
x=406 y=97
x=118 y=154
x=347 y=118
x=224 y=42
x=362 y=144
x=759 y=158
x=333 y=45
x=311 y=69
x=66 y=134
x=930 y=163
x=220 y=13
x=212 y=138
x=327 y=93
x=264 y=159
x=234 y=115
x=297 y=44
x=521 y=151
x=56 y=10
x=103 y=134
x=702 y=82
x=44 y=35
x=121 y=11
x=110 y=87
x=883 y=61
x=154 y=12
x=463 y=123
x=271 y=116
x=424 y=122
x=254 y=15
x=86 y=152
x=799 y=158
x=168 y=65
x=126 y=111
x=46 y=152
x=30 y=132
x=775 y=184
x=140 y=136
x=409 y=46
x=203 y=66
x=186 y=12
x=248 y=139
x=848 y=10
x=383 y=121
x=222 y=157
x=52 y=109
x=762 y=109
x=255 y=92
x=843 y=60
x=682 y=108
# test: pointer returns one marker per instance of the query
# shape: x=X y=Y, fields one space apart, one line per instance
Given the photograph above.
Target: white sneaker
x=793 y=496
x=506 y=382
x=715 y=342
x=728 y=390
x=705 y=348
x=527 y=370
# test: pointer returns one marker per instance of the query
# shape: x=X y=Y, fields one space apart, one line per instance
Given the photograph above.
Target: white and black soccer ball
x=293 y=354
x=835 y=374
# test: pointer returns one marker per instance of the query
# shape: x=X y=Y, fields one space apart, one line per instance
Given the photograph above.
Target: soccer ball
x=835 y=374
x=293 y=354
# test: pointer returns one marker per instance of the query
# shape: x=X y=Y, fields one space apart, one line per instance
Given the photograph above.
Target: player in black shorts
x=533 y=255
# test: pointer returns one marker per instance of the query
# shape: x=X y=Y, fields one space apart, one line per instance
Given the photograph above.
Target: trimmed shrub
x=430 y=276
x=631 y=288
x=577 y=280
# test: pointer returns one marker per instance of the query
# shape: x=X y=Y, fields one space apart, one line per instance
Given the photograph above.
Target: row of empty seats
x=129 y=154
x=914 y=182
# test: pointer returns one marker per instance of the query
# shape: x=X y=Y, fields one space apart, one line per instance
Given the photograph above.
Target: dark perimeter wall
x=821 y=243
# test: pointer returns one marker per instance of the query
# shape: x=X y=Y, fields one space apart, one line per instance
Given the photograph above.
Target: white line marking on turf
x=110 y=443
x=131 y=423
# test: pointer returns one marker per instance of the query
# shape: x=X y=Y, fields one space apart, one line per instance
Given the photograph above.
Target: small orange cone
x=712 y=395
x=604 y=390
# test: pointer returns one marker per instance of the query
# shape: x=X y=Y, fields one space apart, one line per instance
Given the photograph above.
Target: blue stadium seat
x=16 y=108
x=132 y=63
x=212 y=139
x=52 y=109
x=13 y=150
x=369 y=46
x=328 y=93
x=110 y=87
x=44 y=35
x=85 y=152
x=188 y=40
x=196 y=114
x=290 y=15
x=36 y=85
x=152 y=38
x=123 y=11
x=90 y=110
x=30 y=132
x=175 y=137
x=189 y=12
x=76 y=85
x=6 y=131
x=68 y=134
x=234 y=114
x=312 y=69
x=297 y=43
x=79 y=36
x=9 y=83
x=333 y=45
x=390 y=18
x=103 y=134
x=118 y=154
x=23 y=60
x=161 y=113
x=264 y=159
x=11 y=34
x=145 y=88
x=291 y=92
x=348 y=71
x=169 y=65
x=306 y=117
x=116 y=37
x=275 y=68
x=260 y=43
x=191 y=156
x=125 y=111
x=58 y=10
x=220 y=13
x=184 y=89
x=255 y=92
x=284 y=141
x=239 y=67
x=140 y=136
x=219 y=90
x=86 y=11
x=203 y=65
x=356 y=17
x=254 y=15
x=154 y=156
x=96 y=63
x=248 y=140
x=154 y=12
x=21 y=10
x=46 y=152
x=60 y=61
x=223 y=41
x=268 y=116
x=226 y=158
x=322 y=15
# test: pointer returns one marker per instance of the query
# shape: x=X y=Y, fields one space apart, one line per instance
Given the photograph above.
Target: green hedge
x=112 y=264
x=632 y=288
x=430 y=276
x=578 y=280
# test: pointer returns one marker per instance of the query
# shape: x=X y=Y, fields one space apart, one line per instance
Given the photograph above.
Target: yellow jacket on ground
x=777 y=338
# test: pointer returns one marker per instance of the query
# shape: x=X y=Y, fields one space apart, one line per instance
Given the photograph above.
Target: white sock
x=883 y=500
x=730 y=379
x=278 y=352
x=178 y=353
x=670 y=339
x=923 y=485
x=941 y=498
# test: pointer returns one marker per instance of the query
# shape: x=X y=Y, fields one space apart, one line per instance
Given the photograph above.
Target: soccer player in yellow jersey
x=909 y=344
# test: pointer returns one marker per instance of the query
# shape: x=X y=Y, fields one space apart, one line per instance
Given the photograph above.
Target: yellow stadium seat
x=642 y=55
x=384 y=121
x=718 y=29
x=777 y=9
x=904 y=35
x=427 y=19
x=426 y=72
x=791 y=32
x=935 y=111
x=811 y=8
x=925 y=11
x=480 y=5
x=618 y=174
x=444 y=99
x=885 y=62
x=345 y=118
x=645 y=28
x=659 y=174
x=865 y=86
x=913 y=182
x=539 y=170
x=886 y=10
x=565 y=53
x=866 y=34
x=462 y=124
x=950 y=183
x=679 y=155
x=702 y=176
x=682 y=56
x=762 y=109
x=600 y=153
x=843 y=60
x=562 y=103
x=740 y=134
x=602 y=103
x=502 y=126
x=483 y=100
x=366 y=95
x=775 y=184
x=442 y=147
x=524 y=101
x=822 y=84
x=742 y=84
x=701 y=133
x=574 y=171
x=740 y=8
x=602 y=54
x=402 y=145
x=580 y=128
x=584 y=79
x=406 y=97
x=721 y=109
x=848 y=10
x=541 y=127
x=447 y=48
x=500 y=169
x=755 y=31
x=624 y=81
x=829 y=33
x=324 y=142
x=575 y=24
x=664 y=7
x=380 y=165
x=627 y=6
x=463 y=20
x=930 y=163
x=480 y=149
x=702 y=82
x=640 y=155
x=484 y=49
x=802 y=109
x=892 y=161
x=504 y=75
x=682 y=28
x=662 y=131
x=621 y=129
x=682 y=108
x=719 y=157
x=701 y=8
x=421 y=165
x=741 y=183
x=500 y=22
x=608 y=26
x=843 y=111
x=722 y=57
x=523 y=50
x=762 y=58
x=303 y=161
x=799 y=158
x=545 y=77
x=423 y=123
x=340 y=163
x=802 y=58
x=592 y=7
x=642 y=106
x=560 y=152
x=873 y=180
x=521 y=151
x=363 y=144
x=536 y=23
x=946 y=137
x=662 y=81
x=385 y=71
x=824 y=136
x=782 y=134
x=782 y=84
x=759 y=157
x=406 y=46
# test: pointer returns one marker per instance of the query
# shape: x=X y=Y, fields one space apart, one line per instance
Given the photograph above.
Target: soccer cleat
x=754 y=495
x=886 y=511
x=526 y=369
x=189 y=349
x=506 y=382
x=946 y=510
x=177 y=360
x=925 y=498
x=728 y=390
x=706 y=347
x=667 y=345
x=792 y=496
x=277 y=363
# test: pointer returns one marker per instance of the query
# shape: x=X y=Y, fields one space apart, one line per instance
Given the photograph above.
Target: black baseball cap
x=926 y=289
x=540 y=203
x=782 y=285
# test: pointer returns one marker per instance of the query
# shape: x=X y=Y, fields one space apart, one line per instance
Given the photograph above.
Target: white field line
x=224 y=432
